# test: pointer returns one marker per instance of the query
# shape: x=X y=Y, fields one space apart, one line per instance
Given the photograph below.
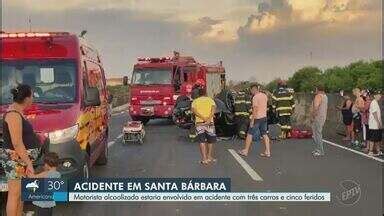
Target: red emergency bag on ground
x=297 y=133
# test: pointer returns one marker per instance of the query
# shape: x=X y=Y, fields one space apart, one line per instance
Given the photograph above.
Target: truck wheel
x=103 y=158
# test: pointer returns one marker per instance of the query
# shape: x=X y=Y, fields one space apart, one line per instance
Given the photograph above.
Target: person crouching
x=51 y=161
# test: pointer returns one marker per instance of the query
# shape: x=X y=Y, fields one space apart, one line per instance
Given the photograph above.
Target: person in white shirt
x=375 y=125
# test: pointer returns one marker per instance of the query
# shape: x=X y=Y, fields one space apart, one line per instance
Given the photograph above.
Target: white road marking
x=120 y=135
x=114 y=141
x=117 y=114
x=246 y=166
x=111 y=143
x=352 y=150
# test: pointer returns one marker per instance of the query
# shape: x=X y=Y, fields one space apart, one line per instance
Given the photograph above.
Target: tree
x=305 y=79
x=271 y=86
x=362 y=74
x=365 y=75
x=368 y=76
x=337 y=78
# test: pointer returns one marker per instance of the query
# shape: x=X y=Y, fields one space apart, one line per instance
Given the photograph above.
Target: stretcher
x=297 y=133
x=133 y=131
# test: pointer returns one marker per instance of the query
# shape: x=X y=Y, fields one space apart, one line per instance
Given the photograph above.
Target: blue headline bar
x=59 y=189
x=150 y=185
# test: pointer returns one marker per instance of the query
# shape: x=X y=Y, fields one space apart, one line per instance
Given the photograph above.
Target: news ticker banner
x=153 y=190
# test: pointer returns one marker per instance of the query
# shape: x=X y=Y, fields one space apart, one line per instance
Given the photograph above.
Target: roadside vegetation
x=120 y=94
x=362 y=74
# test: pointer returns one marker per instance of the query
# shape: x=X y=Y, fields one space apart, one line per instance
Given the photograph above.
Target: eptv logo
x=350 y=192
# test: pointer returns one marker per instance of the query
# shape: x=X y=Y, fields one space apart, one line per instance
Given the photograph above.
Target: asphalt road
x=167 y=153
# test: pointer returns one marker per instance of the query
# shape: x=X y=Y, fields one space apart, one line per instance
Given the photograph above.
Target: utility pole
x=30 y=24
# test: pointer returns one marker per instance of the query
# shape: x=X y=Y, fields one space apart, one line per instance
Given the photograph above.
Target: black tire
x=144 y=120
x=182 y=98
x=228 y=99
x=103 y=158
x=223 y=128
x=3 y=199
x=170 y=120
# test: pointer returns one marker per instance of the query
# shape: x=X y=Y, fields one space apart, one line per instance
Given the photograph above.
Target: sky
x=257 y=40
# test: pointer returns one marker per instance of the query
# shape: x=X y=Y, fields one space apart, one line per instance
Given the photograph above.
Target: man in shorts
x=203 y=108
x=375 y=125
x=258 y=125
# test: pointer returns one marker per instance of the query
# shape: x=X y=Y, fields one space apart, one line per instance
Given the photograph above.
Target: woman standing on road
x=357 y=109
x=347 y=114
x=21 y=147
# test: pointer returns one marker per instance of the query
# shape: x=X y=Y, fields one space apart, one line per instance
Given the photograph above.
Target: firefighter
x=284 y=104
x=243 y=110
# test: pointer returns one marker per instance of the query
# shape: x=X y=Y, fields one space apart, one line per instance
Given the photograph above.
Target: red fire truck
x=157 y=83
x=70 y=106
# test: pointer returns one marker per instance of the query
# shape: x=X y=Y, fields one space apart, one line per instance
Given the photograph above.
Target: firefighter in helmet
x=243 y=110
x=284 y=104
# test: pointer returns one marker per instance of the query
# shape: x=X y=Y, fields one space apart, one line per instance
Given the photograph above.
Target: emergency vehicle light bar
x=153 y=59
x=143 y=59
x=32 y=34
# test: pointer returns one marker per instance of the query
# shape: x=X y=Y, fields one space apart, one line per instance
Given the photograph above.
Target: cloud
x=258 y=23
x=236 y=17
x=275 y=15
x=207 y=29
x=267 y=40
x=300 y=33
x=203 y=25
x=178 y=11
x=54 y=5
x=120 y=35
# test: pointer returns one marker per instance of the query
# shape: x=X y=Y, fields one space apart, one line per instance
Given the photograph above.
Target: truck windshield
x=51 y=81
x=152 y=76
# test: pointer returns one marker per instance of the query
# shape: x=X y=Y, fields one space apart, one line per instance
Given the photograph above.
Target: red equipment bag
x=297 y=133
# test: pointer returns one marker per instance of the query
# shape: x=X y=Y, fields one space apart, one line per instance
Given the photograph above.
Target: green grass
x=120 y=94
